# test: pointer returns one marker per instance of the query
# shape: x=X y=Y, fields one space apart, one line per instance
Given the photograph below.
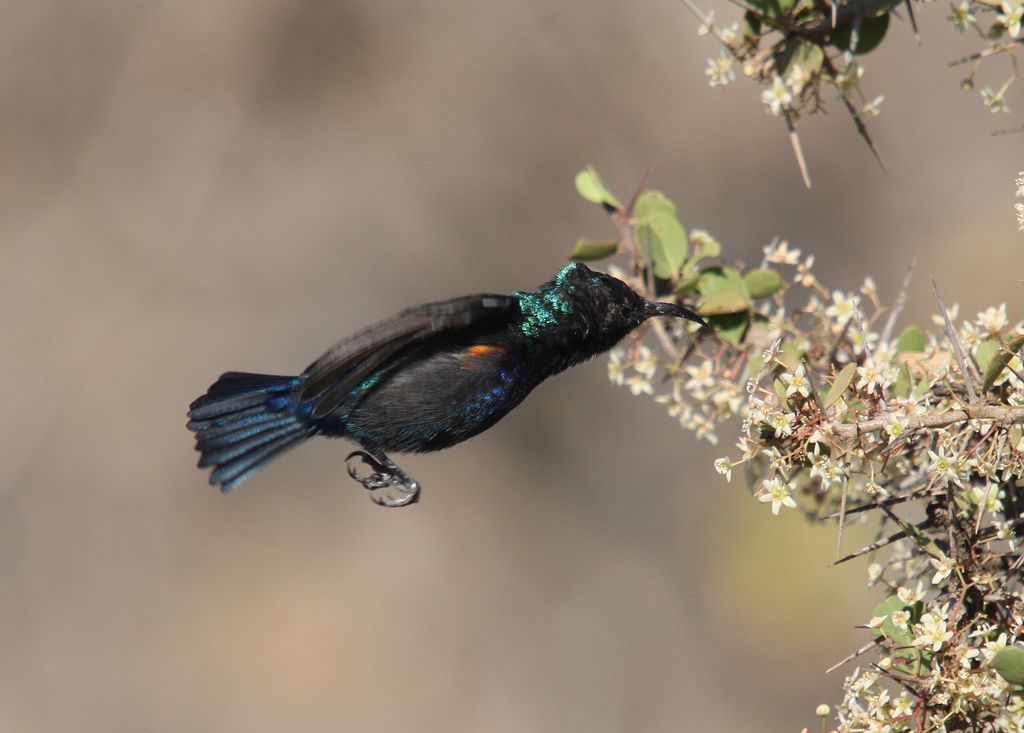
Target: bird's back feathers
x=332 y=377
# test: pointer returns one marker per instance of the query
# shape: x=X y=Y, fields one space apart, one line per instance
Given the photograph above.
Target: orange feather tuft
x=484 y=350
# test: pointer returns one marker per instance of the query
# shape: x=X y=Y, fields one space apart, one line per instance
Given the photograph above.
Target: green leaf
x=985 y=351
x=723 y=301
x=659 y=234
x=998 y=360
x=651 y=203
x=1009 y=663
x=840 y=386
x=719 y=278
x=872 y=31
x=790 y=354
x=687 y=285
x=586 y=250
x=754 y=365
x=912 y=339
x=730 y=328
x=903 y=384
x=663 y=243
x=805 y=54
x=762 y=283
x=888 y=629
x=590 y=187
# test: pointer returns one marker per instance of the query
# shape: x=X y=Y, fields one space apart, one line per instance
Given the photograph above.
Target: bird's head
x=607 y=309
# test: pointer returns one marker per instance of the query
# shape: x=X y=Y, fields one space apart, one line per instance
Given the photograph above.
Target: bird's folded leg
x=386 y=475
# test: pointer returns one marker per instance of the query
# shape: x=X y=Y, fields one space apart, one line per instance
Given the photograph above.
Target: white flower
x=777 y=492
x=1011 y=16
x=970 y=335
x=848 y=76
x=724 y=467
x=825 y=469
x=796 y=383
x=871 y=376
x=779 y=253
x=719 y=71
x=843 y=307
x=910 y=597
x=900 y=619
x=961 y=16
x=797 y=79
x=646 y=362
x=617 y=366
x=730 y=35
x=1005 y=532
x=781 y=423
x=804 y=276
x=704 y=428
x=965 y=655
x=639 y=384
x=857 y=337
x=896 y=425
x=943 y=567
x=932 y=632
x=676 y=405
x=993 y=319
x=702 y=377
x=778 y=97
x=994 y=100
x=992 y=647
x=708 y=25
x=945 y=467
x=727 y=400
x=902 y=706
x=989 y=495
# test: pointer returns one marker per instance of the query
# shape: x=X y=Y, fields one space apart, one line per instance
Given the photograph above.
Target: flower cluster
x=792 y=64
x=798 y=51
x=844 y=418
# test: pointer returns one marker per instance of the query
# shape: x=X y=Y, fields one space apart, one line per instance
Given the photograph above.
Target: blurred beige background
x=192 y=187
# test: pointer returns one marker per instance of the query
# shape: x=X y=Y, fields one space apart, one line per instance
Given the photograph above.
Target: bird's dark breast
x=440 y=397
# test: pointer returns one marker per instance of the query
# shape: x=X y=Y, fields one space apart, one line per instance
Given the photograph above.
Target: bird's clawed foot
x=386 y=475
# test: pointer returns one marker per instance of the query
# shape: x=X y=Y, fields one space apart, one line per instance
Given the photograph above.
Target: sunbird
x=426 y=379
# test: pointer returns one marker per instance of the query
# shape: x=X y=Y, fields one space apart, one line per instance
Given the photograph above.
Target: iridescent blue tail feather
x=244 y=421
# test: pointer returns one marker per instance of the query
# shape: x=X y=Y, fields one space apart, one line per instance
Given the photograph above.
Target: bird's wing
x=344 y=366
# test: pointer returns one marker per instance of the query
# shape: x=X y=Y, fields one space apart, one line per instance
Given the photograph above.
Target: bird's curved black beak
x=655 y=308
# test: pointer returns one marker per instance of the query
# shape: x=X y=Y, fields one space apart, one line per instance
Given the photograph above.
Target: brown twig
x=798 y=151
x=851 y=657
x=897 y=307
x=996 y=413
x=966 y=369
